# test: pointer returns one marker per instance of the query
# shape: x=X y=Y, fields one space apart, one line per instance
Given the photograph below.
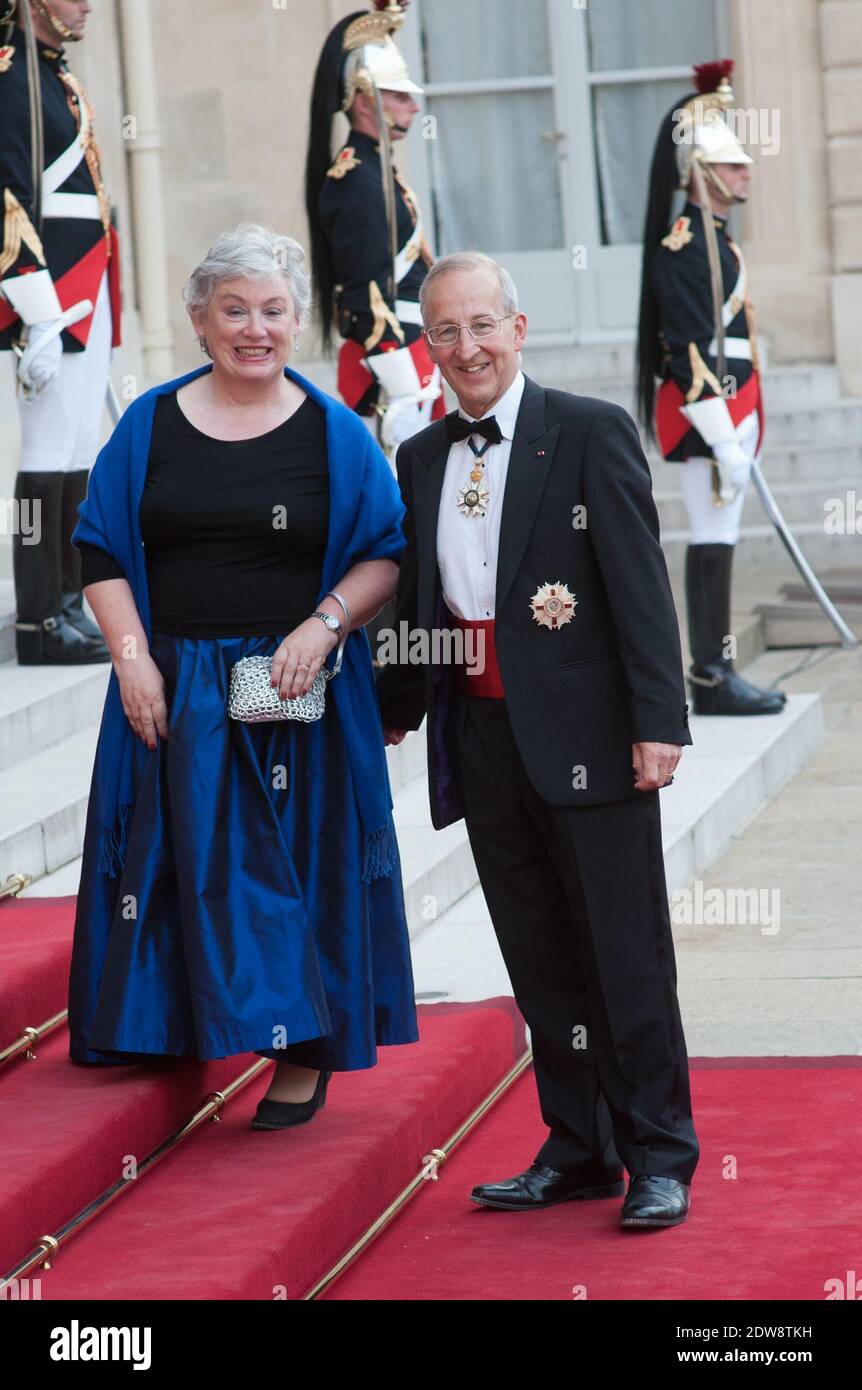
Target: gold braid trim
x=423 y=250
x=17 y=228
x=382 y=315
x=78 y=102
x=751 y=324
x=701 y=376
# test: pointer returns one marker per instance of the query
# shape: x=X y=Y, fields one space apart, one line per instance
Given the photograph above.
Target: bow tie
x=459 y=428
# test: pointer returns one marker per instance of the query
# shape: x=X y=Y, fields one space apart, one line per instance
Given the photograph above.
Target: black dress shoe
x=541 y=1186
x=54 y=642
x=655 y=1202
x=281 y=1114
x=718 y=689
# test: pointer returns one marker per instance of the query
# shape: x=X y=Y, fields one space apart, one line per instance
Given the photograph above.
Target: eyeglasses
x=447 y=334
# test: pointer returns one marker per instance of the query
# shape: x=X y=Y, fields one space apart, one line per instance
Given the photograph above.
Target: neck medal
x=473 y=498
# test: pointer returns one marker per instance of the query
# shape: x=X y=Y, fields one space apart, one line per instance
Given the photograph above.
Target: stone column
x=785 y=226
x=841 y=56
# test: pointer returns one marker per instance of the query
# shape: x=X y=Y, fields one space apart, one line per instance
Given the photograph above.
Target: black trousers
x=578 y=900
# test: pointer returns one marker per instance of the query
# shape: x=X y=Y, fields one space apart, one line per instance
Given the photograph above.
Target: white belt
x=408 y=254
x=71 y=205
x=65 y=164
x=733 y=347
x=408 y=311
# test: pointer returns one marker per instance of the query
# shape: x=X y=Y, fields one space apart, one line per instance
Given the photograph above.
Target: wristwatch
x=332 y=623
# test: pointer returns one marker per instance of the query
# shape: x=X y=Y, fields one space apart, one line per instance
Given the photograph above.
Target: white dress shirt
x=467 y=545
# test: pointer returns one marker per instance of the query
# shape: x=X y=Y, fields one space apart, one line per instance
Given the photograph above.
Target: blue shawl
x=365 y=515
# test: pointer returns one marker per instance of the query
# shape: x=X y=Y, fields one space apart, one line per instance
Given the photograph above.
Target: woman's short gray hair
x=471 y=260
x=254 y=252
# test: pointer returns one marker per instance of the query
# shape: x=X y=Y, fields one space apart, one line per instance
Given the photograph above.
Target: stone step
x=43 y=806
x=800 y=623
x=791 y=424
x=599 y=368
x=785 y=463
x=798 y=501
x=732 y=769
x=759 y=547
x=591 y=371
x=42 y=705
x=838 y=421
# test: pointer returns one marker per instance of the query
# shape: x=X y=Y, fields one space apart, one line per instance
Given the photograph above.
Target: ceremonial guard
x=59 y=314
x=368 y=248
x=697 y=334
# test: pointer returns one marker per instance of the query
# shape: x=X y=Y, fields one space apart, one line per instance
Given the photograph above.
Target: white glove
x=39 y=366
x=734 y=466
x=400 y=421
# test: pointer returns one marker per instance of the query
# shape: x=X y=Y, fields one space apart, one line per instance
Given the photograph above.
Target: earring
x=296 y=343
x=204 y=346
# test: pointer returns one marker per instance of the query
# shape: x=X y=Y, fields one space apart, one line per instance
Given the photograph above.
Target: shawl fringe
x=381 y=853
x=113 y=841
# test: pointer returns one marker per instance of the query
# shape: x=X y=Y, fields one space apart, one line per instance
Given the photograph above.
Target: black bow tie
x=459 y=428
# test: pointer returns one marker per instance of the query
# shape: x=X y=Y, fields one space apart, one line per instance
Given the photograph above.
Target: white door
x=543 y=115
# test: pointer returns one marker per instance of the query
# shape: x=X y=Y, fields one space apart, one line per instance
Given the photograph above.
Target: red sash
x=354 y=379
x=489 y=684
x=82 y=281
x=671 y=426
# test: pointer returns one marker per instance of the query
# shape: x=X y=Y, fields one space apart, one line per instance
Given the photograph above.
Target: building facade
x=533 y=145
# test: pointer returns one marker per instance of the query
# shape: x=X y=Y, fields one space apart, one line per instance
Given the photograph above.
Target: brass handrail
x=14 y=884
x=431 y=1163
x=27 y=1040
x=48 y=1245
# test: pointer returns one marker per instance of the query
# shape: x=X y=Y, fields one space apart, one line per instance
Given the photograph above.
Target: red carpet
x=235 y=1214
x=35 y=951
x=231 y=1213
x=785 y=1225
x=66 y=1128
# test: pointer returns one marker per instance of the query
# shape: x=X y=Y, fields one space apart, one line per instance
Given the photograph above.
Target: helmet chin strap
x=60 y=29
x=392 y=123
x=717 y=182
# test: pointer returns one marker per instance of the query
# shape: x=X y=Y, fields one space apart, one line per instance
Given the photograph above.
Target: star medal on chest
x=553 y=605
x=473 y=497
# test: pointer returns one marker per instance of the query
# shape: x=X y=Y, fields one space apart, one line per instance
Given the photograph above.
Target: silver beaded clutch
x=254 y=700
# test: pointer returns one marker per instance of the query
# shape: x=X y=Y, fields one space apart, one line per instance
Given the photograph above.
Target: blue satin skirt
x=242 y=922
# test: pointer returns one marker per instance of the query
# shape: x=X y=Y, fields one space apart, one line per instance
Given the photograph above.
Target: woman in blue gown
x=241 y=885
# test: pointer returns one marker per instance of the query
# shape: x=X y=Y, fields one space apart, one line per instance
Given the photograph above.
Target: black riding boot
x=72 y=597
x=43 y=637
x=716 y=688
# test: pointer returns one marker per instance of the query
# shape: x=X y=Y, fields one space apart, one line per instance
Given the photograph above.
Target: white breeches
x=61 y=429
x=709 y=524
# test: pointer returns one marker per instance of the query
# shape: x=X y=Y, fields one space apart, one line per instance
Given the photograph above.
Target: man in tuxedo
x=531 y=531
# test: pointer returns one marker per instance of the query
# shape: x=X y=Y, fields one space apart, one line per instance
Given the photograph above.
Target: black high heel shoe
x=280 y=1114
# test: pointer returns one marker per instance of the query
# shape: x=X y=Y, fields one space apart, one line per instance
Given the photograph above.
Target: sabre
x=772 y=510
x=112 y=401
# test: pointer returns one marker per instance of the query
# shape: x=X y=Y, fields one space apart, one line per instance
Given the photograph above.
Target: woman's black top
x=234 y=531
